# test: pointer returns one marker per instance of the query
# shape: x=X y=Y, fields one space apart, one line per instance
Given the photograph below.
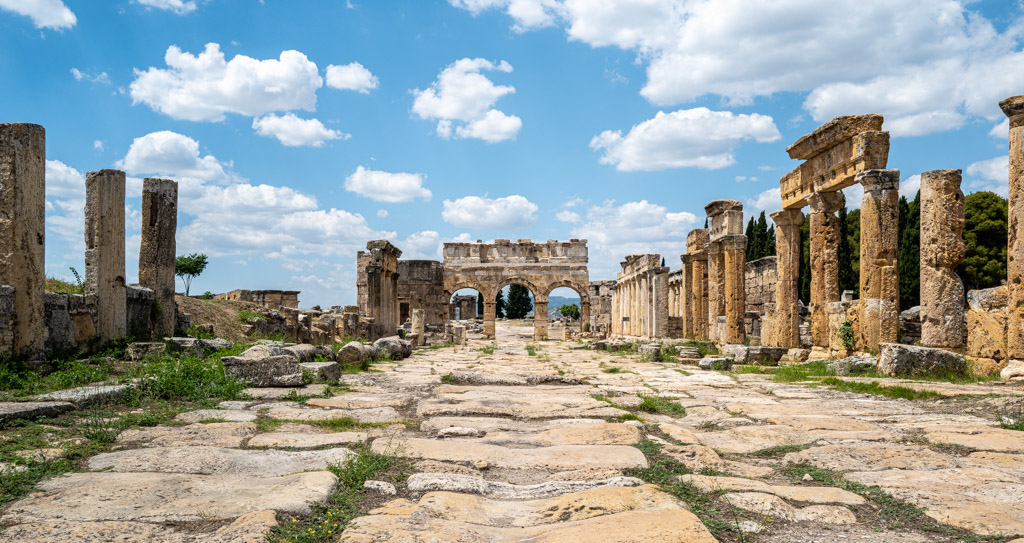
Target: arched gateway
x=540 y=267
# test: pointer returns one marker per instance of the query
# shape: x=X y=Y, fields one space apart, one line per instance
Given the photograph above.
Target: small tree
x=519 y=303
x=571 y=311
x=189 y=267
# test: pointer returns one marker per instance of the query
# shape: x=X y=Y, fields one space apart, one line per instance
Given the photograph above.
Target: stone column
x=615 y=326
x=787 y=286
x=879 y=245
x=418 y=326
x=700 y=295
x=1014 y=109
x=157 y=250
x=584 y=315
x=716 y=288
x=824 y=260
x=104 y=251
x=490 y=312
x=942 y=249
x=686 y=298
x=659 y=303
x=22 y=232
x=645 y=305
x=540 y=320
x=735 y=255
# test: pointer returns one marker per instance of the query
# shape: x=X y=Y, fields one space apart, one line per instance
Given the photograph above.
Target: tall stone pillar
x=1014 y=109
x=659 y=303
x=942 y=249
x=687 y=296
x=734 y=249
x=879 y=245
x=700 y=295
x=157 y=250
x=490 y=313
x=824 y=260
x=584 y=315
x=645 y=306
x=615 y=326
x=540 y=320
x=104 y=251
x=22 y=233
x=716 y=288
x=787 y=286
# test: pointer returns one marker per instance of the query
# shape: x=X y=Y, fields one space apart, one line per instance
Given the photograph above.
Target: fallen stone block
x=140 y=350
x=748 y=354
x=853 y=365
x=715 y=363
x=352 y=354
x=394 y=347
x=910 y=360
x=215 y=344
x=1014 y=371
x=87 y=395
x=651 y=351
x=32 y=410
x=271 y=371
x=323 y=372
x=303 y=352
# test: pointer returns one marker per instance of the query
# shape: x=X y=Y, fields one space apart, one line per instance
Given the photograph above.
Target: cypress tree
x=761 y=231
x=771 y=242
x=910 y=252
x=845 y=254
x=751 y=241
x=985 y=236
x=853 y=236
x=479 y=304
x=519 y=303
x=805 y=260
x=499 y=310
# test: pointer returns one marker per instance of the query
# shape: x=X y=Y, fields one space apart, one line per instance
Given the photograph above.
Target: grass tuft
x=657 y=404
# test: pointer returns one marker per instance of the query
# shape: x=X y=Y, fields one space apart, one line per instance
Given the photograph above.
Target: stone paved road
x=513 y=447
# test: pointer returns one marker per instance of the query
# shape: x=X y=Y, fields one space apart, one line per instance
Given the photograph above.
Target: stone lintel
x=696 y=240
x=832 y=133
x=826 y=202
x=713 y=248
x=877 y=180
x=717 y=207
x=788 y=217
x=1012 y=106
x=383 y=245
x=835 y=169
x=726 y=223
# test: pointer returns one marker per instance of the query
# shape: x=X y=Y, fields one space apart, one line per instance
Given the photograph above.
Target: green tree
x=771 y=242
x=751 y=241
x=519 y=303
x=910 y=252
x=853 y=237
x=571 y=311
x=761 y=232
x=985 y=237
x=845 y=254
x=499 y=307
x=189 y=267
x=479 y=303
x=805 y=260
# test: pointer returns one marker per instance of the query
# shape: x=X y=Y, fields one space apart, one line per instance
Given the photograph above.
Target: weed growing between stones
x=704 y=348
x=613 y=369
x=877 y=389
x=188 y=378
x=658 y=404
x=1012 y=419
x=449 y=379
x=489 y=349
x=779 y=450
x=248 y=316
x=624 y=417
x=803 y=372
x=531 y=350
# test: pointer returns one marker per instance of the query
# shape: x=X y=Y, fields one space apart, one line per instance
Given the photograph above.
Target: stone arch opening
x=584 y=304
x=463 y=304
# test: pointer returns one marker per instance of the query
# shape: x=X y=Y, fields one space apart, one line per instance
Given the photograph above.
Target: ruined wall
x=421 y=286
x=760 y=278
x=378 y=297
x=601 y=305
x=641 y=297
x=272 y=299
x=462 y=308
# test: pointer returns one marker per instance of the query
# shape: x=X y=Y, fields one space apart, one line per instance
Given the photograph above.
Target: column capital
x=734 y=243
x=879 y=180
x=713 y=248
x=788 y=217
x=1012 y=106
x=826 y=202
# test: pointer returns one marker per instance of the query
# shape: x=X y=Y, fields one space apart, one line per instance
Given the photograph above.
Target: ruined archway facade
x=540 y=267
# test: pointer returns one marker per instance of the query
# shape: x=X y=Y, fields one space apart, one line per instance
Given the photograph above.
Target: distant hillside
x=554 y=302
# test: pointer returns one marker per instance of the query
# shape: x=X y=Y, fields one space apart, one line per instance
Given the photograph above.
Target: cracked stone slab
x=748 y=439
x=771 y=506
x=468 y=484
x=87 y=395
x=248 y=528
x=291 y=411
x=495 y=424
x=556 y=458
x=860 y=456
x=809 y=494
x=32 y=410
x=164 y=497
x=593 y=434
x=363 y=401
x=517 y=402
x=217 y=461
x=214 y=434
x=223 y=415
x=982 y=438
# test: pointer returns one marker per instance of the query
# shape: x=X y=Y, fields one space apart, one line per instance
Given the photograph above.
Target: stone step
x=556 y=458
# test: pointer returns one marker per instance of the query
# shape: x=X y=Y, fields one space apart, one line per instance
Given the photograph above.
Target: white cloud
x=992 y=175
x=101 y=78
x=423 y=245
x=205 y=87
x=614 y=231
x=171 y=154
x=872 y=59
x=63 y=181
x=910 y=186
x=51 y=14
x=568 y=216
x=506 y=213
x=387 y=186
x=97 y=145
x=177 y=6
x=1001 y=130
x=528 y=14
x=382 y=213
x=462 y=93
x=697 y=137
x=293 y=131
x=351 y=77
x=768 y=201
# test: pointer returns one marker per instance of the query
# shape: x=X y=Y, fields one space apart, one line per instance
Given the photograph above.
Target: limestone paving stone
x=292 y=411
x=32 y=410
x=223 y=415
x=808 y=494
x=248 y=528
x=771 y=506
x=357 y=400
x=861 y=456
x=215 y=434
x=217 y=461
x=468 y=484
x=555 y=458
x=87 y=395
x=980 y=438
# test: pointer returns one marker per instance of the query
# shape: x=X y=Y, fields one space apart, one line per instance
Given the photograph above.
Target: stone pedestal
x=540 y=320
x=22 y=233
x=824 y=261
x=735 y=257
x=879 y=270
x=942 y=249
x=584 y=316
x=786 y=322
x=1014 y=109
x=418 y=326
x=157 y=249
x=459 y=334
x=490 y=312
x=104 y=251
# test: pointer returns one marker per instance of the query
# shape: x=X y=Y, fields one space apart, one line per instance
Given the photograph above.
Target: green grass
x=657 y=404
x=749 y=369
x=449 y=379
x=668 y=353
x=802 y=372
x=779 y=450
x=329 y=519
x=531 y=350
x=705 y=348
x=894 y=511
x=624 y=417
x=683 y=372
x=1012 y=419
x=877 y=389
x=248 y=316
x=69 y=373
x=188 y=378
x=489 y=349
x=613 y=369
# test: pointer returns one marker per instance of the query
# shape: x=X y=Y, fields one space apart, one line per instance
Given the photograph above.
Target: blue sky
x=299 y=130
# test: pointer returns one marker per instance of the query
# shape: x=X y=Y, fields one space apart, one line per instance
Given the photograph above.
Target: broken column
x=381 y=270
x=879 y=245
x=942 y=249
x=490 y=314
x=22 y=233
x=418 y=327
x=1014 y=109
x=104 y=251
x=787 y=287
x=157 y=249
x=540 y=320
x=695 y=242
x=824 y=260
x=735 y=253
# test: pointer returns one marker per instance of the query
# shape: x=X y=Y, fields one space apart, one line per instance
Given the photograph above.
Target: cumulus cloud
x=205 y=87
x=351 y=77
x=63 y=181
x=382 y=213
x=568 y=216
x=462 y=94
x=293 y=131
x=506 y=213
x=388 y=187
x=910 y=186
x=528 y=14
x=171 y=154
x=698 y=138
x=1001 y=130
x=52 y=14
x=176 y=6
x=992 y=175
x=768 y=201
x=421 y=245
x=614 y=231
x=740 y=50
